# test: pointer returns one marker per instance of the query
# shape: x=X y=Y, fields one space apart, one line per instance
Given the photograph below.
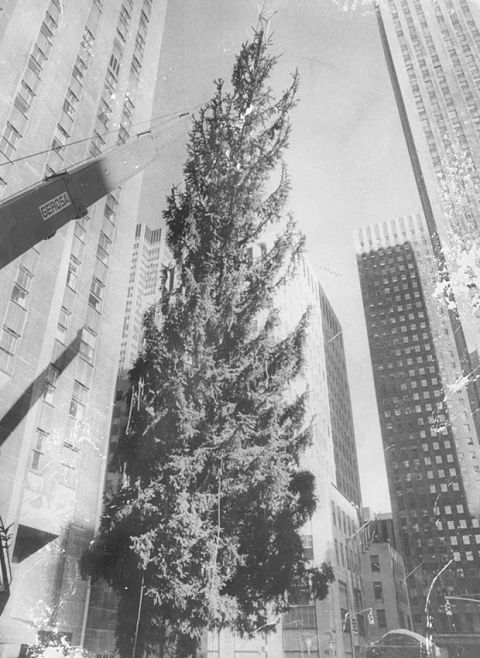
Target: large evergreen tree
x=206 y=524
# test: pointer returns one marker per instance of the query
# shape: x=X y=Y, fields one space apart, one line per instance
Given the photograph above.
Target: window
x=103 y=249
x=96 y=294
x=9 y=140
x=21 y=286
x=87 y=345
x=24 y=97
x=8 y=341
x=136 y=67
x=381 y=619
x=374 y=563
x=139 y=45
x=345 y=619
x=50 y=383
x=73 y=273
x=63 y=323
x=38 y=58
x=38 y=456
x=69 y=463
x=114 y=65
x=301 y=616
x=307 y=543
x=53 y=14
x=69 y=104
x=77 y=74
x=111 y=208
x=46 y=37
x=79 y=400
x=378 y=590
x=123 y=135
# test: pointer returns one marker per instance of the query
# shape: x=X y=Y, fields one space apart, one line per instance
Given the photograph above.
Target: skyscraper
x=76 y=78
x=340 y=620
x=432 y=51
x=431 y=447
x=343 y=434
x=143 y=288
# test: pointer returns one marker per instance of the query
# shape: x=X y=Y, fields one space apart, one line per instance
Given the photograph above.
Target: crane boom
x=36 y=213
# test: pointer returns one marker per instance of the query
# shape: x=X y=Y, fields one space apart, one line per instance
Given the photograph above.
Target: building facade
x=143 y=288
x=430 y=444
x=385 y=581
x=76 y=78
x=336 y=628
x=432 y=52
x=343 y=434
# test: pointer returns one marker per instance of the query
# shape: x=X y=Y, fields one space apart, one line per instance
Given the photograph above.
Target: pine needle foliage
x=214 y=497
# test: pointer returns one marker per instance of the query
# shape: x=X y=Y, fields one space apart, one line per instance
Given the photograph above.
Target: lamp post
x=139 y=614
x=429 y=633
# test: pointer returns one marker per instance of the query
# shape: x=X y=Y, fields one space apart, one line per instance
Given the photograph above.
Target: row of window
x=69 y=451
x=15 y=314
x=73 y=94
x=29 y=83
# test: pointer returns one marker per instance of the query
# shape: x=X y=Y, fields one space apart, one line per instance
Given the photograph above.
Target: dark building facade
x=430 y=445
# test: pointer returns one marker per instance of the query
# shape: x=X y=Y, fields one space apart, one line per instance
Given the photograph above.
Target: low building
x=384 y=579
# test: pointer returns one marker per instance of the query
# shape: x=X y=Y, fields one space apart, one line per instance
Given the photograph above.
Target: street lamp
x=429 y=633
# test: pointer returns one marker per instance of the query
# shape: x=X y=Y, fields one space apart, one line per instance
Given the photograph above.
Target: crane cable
x=179 y=113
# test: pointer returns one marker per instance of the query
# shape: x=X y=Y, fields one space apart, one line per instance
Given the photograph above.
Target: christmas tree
x=204 y=533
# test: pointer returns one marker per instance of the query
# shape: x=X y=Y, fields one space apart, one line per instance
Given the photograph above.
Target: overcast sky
x=347 y=159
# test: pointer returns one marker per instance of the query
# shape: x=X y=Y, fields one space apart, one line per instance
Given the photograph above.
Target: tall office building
x=81 y=73
x=432 y=51
x=321 y=628
x=340 y=619
x=143 y=288
x=343 y=434
x=431 y=447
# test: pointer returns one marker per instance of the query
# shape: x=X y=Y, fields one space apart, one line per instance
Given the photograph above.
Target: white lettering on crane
x=54 y=206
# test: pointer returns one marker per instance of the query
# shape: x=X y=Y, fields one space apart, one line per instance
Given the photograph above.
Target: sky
x=347 y=159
